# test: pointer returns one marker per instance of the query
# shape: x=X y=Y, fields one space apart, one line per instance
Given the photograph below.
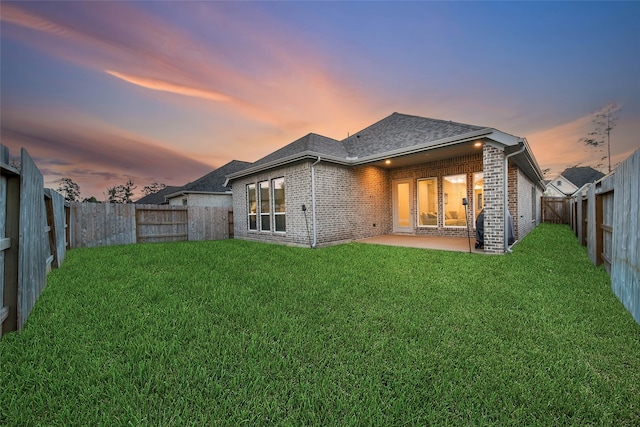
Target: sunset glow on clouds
x=166 y=91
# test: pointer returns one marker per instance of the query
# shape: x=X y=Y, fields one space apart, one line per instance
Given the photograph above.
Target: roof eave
x=305 y=155
x=442 y=143
x=187 y=192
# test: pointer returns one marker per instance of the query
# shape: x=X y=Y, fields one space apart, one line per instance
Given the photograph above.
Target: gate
x=555 y=210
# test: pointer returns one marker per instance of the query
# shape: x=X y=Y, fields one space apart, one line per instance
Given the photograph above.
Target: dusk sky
x=102 y=92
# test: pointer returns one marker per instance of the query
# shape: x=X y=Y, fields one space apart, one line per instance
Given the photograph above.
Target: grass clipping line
x=230 y=332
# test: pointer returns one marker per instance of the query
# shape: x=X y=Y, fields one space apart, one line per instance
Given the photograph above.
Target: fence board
x=11 y=221
x=625 y=263
x=56 y=219
x=33 y=246
x=5 y=243
x=591 y=225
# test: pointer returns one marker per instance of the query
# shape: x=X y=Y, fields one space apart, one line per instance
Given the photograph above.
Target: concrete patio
x=456 y=244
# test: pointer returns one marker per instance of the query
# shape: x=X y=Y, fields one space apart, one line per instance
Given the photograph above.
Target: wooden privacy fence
x=555 y=210
x=607 y=221
x=32 y=238
x=106 y=224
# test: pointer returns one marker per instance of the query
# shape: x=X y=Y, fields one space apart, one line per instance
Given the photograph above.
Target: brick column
x=493 y=165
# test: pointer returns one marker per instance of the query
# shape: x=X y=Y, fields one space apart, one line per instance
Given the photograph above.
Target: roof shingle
x=581 y=175
x=399 y=131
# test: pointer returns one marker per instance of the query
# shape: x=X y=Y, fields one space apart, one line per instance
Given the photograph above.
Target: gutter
x=523 y=147
x=313 y=201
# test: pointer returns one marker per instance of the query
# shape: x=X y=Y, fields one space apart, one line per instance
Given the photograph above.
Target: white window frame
x=261 y=214
x=453 y=198
x=476 y=212
x=435 y=180
x=251 y=187
x=277 y=214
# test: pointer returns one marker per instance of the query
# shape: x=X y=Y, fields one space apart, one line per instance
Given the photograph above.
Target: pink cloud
x=96 y=156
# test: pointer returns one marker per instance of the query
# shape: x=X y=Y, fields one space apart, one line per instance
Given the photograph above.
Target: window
x=428 y=202
x=184 y=202
x=454 y=190
x=533 y=203
x=279 y=210
x=478 y=193
x=265 y=218
x=559 y=183
x=266 y=206
x=253 y=205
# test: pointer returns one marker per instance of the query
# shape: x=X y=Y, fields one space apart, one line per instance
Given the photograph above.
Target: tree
x=604 y=120
x=121 y=193
x=153 y=188
x=69 y=189
x=91 y=199
x=15 y=163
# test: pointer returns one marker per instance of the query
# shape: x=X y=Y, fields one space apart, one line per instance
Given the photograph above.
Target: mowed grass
x=234 y=332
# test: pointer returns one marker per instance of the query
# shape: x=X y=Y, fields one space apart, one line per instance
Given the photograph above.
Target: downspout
x=313 y=201
x=506 y=193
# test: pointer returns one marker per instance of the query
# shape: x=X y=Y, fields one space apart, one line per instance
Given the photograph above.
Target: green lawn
x=233 y=332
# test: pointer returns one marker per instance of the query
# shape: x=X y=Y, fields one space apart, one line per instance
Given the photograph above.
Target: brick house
x=404 y=174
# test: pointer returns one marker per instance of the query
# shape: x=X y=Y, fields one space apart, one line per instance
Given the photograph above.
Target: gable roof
x=394 y=136
x=156 y=198
x=310 y=143
x=399 y=131
x=213 y=182
x=581 y=175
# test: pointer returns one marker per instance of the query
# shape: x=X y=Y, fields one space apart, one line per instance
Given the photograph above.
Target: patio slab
x=456 y=244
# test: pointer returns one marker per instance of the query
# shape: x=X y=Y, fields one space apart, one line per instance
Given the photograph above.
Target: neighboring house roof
x=156 y=198
x=581 y=175
x=213 y=182
x=394 y=136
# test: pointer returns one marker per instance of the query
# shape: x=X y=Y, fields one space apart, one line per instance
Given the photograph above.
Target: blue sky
x=166 y=91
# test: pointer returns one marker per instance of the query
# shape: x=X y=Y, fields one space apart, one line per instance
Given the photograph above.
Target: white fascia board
x=187 y=192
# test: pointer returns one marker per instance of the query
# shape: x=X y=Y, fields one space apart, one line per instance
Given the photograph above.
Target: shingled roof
x=158 y=197
x=399 y=131
x=395 y=135
x=581 y=175
x=311 y=143
x=213 y=182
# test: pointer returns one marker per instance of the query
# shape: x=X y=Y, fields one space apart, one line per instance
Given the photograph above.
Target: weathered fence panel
x=208 y=223
x=34 y=245
x=9 y=235
x=625 y=263
x=101 y=224
x=162 y=223
x=106 y=224
x=56 y=218
x=555 y=210
x=591 y=233
x=607 y=229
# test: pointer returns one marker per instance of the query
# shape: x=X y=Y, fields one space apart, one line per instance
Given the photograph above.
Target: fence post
x=9 y=308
